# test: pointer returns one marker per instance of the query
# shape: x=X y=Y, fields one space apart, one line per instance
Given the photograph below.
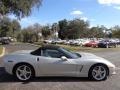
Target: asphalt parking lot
x=8 y=82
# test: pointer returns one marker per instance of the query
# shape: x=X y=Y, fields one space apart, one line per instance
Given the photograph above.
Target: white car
x=56 y=61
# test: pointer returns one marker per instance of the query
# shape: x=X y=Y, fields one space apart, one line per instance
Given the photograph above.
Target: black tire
x=28 y=66
x=91 y=72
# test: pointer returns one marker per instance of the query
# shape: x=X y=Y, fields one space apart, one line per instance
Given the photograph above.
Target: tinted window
x=52 y=53
x=37 y=52
x=69 y=54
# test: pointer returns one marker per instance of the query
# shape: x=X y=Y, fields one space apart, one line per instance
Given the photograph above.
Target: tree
x=116 y=31
x=29 y=35
x=37 y=27
x=20 y=36
x=116 y=34
x=9 y=27
x=46 y=32
x=96 y=32
x=20 y=8
x=77 y=28
x=5 y=27
x=63 y=28
x=73 y=29
x=15 y=27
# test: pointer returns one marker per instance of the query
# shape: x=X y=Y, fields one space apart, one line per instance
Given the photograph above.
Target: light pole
x=55 y=29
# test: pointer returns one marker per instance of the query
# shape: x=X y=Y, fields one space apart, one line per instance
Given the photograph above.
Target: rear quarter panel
x=11 y=60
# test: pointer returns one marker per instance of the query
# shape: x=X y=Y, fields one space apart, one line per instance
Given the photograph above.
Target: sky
x=97 y=12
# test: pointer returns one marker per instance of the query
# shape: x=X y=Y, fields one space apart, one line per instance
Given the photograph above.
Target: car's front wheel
x=98 y=72
x=24 y=72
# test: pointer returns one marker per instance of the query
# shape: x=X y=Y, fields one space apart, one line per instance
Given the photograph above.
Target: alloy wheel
x=23 y=72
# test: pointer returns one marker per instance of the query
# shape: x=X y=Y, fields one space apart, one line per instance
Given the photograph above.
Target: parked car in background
x=74 y=42
x=57 y=41
x=107 y=44
x=49 y=41
x=84 y=41
x=91 y=44
x=87 y=42
x=6 y=40
x=117 y=41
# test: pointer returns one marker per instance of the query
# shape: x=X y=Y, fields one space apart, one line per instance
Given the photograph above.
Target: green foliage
x=28 y=35
x=116 y=32
x=77 y=28
x=20 y=8
x=72 y=29
x=63 y=29
x=46 y=32
x=9 y=27
x=20 y=37
x=96 y=32
x=5 y=26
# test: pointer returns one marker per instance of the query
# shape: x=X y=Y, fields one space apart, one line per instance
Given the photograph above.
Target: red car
x=91 y=44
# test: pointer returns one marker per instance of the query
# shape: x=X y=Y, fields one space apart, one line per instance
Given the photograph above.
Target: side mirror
x=64 y=58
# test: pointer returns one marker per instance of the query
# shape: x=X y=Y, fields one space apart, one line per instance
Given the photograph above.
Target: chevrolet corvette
x=49 y=60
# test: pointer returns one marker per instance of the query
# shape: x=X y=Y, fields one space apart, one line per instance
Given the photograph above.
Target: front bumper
x=112 y=71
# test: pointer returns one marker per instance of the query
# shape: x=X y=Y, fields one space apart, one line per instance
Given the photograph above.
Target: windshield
x=70 y=54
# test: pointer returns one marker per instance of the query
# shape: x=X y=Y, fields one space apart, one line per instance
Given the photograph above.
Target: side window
x=52 y=53
x=37 y=52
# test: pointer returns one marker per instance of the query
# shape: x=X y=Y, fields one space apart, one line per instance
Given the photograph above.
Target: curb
x=3 y=52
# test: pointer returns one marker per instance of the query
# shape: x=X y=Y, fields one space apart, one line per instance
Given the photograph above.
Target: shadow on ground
x=6 y=78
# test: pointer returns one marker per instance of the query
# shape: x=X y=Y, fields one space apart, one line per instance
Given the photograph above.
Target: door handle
x=38 y=59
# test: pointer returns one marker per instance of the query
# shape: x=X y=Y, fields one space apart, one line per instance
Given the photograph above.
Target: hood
x=89 y=57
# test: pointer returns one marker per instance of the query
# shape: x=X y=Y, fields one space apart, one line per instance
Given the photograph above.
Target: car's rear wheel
x=98 y=72
x=24 y=72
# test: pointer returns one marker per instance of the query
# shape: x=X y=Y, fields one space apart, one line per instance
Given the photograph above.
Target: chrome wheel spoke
x=25 y=76
x=25 y=68
x=100 y=75
x=95 y=71
x=102 y=72
x=99 y=68
x=28 y=72
x=96 y=75
x=23 y=72
x=20 y=70
x=99 y=72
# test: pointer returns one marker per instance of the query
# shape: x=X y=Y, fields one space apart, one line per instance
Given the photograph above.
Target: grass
x=1 y=50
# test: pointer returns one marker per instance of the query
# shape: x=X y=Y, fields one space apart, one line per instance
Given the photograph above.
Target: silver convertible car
x=52 y=60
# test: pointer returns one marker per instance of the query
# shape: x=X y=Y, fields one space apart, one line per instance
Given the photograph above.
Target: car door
x=51 y=64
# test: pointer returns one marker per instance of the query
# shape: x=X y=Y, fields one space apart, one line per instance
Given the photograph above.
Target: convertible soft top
x=49 y=47
x=38 y=51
